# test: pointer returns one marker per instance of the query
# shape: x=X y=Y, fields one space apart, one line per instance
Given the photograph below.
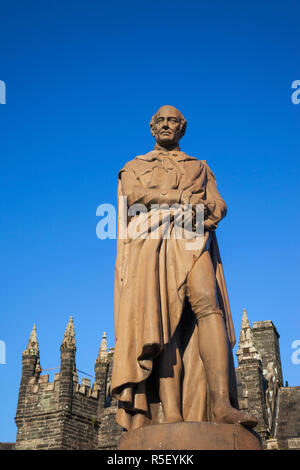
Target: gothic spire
x=246 y=349
x=69 y=338
x=245 y=321
x=33 y=345
x=103 y=354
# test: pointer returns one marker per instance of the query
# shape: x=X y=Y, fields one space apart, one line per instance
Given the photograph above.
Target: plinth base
x=191 y=436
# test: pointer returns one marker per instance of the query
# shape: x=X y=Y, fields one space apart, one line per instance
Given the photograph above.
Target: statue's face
x=167 y=126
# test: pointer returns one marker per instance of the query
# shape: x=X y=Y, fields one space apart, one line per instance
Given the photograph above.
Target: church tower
x=250 y=380
x=65 y=414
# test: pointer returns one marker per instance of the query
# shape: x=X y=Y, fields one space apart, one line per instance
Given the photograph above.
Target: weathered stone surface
x=266 y=339
x=288 y=418
x=65 y=414
x=191 y=436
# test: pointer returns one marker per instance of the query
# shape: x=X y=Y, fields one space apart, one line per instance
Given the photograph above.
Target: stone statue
x=173 y=327
x=271 y=375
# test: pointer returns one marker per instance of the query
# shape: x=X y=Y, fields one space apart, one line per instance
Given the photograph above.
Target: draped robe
x=150 y=279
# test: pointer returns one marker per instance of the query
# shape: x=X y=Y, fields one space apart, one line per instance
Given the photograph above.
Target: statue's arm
x=215 y=207
x=137 y=194
x=216 y=204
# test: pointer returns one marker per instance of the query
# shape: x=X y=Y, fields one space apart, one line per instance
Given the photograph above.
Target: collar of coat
x=160 y=155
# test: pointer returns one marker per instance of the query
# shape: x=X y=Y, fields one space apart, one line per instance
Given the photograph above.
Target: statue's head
x=168 y=126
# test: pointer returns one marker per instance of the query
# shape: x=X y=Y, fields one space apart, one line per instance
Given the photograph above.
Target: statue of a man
x=173 y=327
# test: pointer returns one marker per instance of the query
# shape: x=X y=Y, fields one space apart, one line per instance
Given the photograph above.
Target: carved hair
x=183 y=123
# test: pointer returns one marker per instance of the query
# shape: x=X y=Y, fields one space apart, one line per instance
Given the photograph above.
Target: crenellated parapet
x=66 y=413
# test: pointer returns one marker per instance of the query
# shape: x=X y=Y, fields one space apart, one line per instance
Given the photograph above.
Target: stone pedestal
x=191 y=436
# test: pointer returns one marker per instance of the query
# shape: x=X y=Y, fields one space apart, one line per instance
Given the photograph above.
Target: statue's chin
x=167 y=142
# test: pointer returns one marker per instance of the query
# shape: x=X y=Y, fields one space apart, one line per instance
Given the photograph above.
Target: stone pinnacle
x=33 y=345
x=103 y=354
x=69 y=337
x=246 y=350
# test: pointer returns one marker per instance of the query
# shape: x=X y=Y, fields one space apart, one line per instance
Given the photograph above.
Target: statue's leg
x=169 y=368
x=201 y=292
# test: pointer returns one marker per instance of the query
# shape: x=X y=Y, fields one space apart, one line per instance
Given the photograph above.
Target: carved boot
x=214 y=354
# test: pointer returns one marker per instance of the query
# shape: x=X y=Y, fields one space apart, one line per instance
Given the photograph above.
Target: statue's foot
x=229 y=415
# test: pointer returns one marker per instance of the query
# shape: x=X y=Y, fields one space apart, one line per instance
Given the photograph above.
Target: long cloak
x=150 y=279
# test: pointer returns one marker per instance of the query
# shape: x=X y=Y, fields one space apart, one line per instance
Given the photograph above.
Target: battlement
x=42 y=384
x=66 y=413
x=85 y=388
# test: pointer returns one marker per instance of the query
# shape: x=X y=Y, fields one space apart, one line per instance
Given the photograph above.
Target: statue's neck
x=167 y=149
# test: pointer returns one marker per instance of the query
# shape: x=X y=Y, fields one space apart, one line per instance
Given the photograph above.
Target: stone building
x=66 y=414
x=260 y=386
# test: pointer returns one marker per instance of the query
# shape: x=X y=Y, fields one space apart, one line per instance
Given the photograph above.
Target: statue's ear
x=183 y=129
x=152 y=130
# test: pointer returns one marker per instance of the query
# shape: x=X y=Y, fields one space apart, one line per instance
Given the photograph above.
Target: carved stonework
x=33 y=345
x=271 y=375
x=103 y=352
x=69 y=338
x=247 y=350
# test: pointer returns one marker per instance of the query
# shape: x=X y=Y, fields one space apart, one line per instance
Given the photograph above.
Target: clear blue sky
x=83 y=80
